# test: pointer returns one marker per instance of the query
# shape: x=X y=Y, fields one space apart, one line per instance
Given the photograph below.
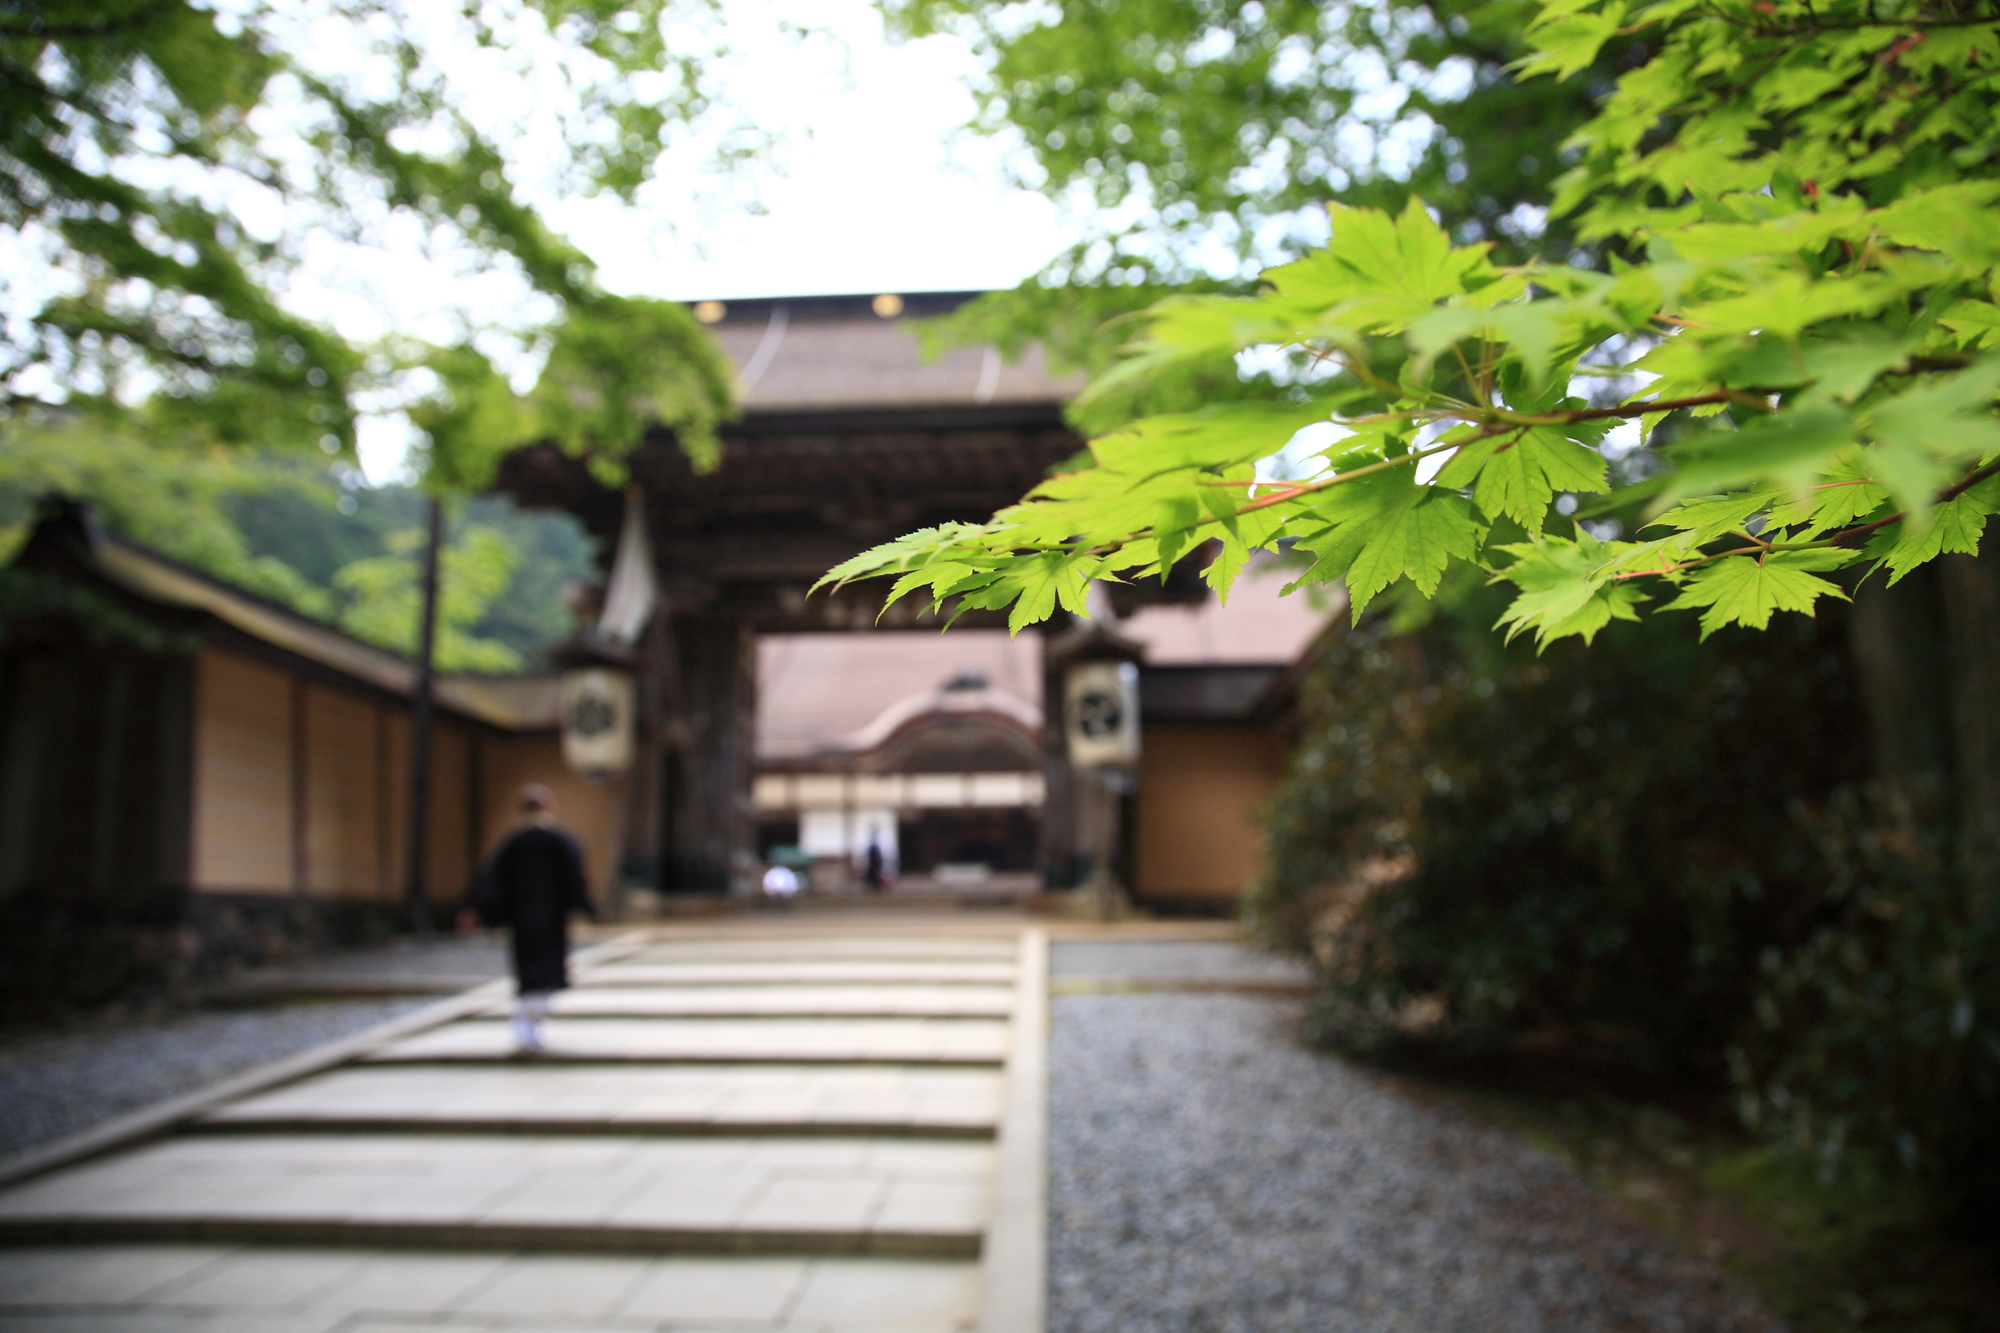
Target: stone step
x=850 y=1099
x=819 y=948
x=277 y=1229
x=841 y=972
x=722 y=1001
x=778 y=1134
x=232 y=1289
x=624 y=1194
x=910 y=1041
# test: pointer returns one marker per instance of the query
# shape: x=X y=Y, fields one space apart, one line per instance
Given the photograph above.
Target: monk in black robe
x=531 y=885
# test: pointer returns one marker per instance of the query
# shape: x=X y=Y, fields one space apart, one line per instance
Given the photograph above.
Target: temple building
x=932 y=746
x=850 y=435
x=191 y=775
x=192 y=763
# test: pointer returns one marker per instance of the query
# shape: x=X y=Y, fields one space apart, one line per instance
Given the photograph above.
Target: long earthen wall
x=299 y=790
x=1198 y=790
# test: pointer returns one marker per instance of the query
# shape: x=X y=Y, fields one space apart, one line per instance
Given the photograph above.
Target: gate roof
x=849 y=436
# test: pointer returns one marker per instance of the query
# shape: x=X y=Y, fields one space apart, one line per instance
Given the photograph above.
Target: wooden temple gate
x=848 y=438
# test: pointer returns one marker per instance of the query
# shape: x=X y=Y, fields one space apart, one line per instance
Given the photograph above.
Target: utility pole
x=420 y=727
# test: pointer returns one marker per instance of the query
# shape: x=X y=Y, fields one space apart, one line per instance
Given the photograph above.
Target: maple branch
x=1689 y=564
x=1945 y=496
x=1292 y=491
x=1629 y=410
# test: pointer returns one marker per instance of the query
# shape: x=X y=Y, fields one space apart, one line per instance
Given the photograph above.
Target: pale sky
x=877 y=192
x=871 y=188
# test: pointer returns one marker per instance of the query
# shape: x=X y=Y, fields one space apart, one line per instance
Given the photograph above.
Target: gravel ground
x=60 y=1085
x=1208 y=1174
x=1176 y=960
x=451 y=956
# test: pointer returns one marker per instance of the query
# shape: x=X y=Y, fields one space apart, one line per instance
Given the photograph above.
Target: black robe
x=532 y=884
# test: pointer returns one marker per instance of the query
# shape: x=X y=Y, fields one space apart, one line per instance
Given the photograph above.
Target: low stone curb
x=596 y=1127
x=1015 y=1298
x=548 y=1239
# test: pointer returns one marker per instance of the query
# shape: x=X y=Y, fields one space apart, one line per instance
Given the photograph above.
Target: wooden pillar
x=117 y=739
x=711 y=698
x=173 y=829
x=385 y=806
x=301 y=846
x=416 y=845
x=653 y=686
x=475 y=799
x=1062 y=854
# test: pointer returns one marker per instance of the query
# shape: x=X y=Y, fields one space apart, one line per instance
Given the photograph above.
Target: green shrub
x=1597 y=839
x=1873 y=1041
x=1662 y=853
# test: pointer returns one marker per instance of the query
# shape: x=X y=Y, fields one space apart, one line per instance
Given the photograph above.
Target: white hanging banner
x=597 y=720
x=1101 y=714
x=634 y=590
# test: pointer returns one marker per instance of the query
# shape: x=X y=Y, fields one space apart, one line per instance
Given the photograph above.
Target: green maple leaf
x=1920 y=428
x=1955 y=527
x=1047 y=580
x=1388 y=270
x=913 y=548
x=1746 y=590
x=1565 y=590
x=1702 y=521
x=1977 y=323
x=1517 y=475
x=1210 y=437
x=1845 y=495
x=1391 y=529
x=943 y=579
x=1567 y=39
x=1791 y=447
x=1247 y=533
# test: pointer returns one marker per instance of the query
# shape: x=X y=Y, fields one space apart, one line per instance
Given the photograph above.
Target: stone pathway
x=769 y=1132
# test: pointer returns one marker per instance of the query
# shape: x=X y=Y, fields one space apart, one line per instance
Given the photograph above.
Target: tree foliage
x=140 y=140
x=384 y=593
x=1205 y=130
x=1802 y=342
x=1206 y=137
x=280 y=526
x=1656 y=857
x=178 y=501
x=1596 y=840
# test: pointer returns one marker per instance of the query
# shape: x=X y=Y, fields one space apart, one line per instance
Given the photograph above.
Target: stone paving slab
x=915 y=1041
x=776 y=1133
x=858 y=972
x=820 y=948
x=721 y=1001
x=826 y=1196
x=676 y=1099
x=232 y=1289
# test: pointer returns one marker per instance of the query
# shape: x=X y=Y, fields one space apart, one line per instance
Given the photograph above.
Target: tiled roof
x=833 y=353
x=513 y=703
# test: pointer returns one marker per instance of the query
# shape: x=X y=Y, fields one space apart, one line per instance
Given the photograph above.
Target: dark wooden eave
x=797 y=494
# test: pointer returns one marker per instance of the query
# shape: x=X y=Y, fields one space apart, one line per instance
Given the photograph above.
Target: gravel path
x=1209 y=1174
x=60 y=1085
x=1173 y=960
